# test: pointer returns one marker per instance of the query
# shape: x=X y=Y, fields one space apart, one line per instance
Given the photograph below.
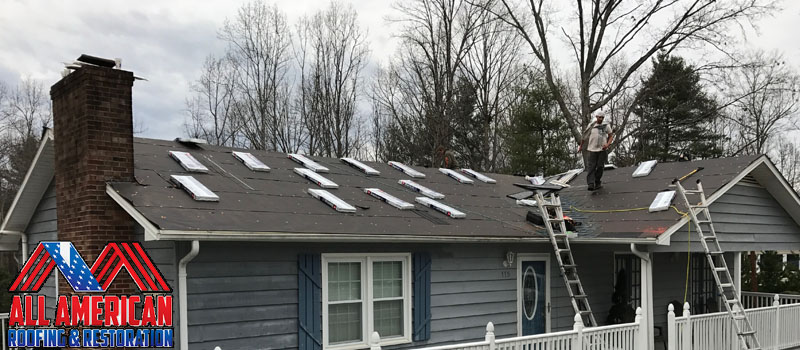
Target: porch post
x=671 y=329
x=687 y=329
x=737 y=273
x=578 y=328
x=776 y=303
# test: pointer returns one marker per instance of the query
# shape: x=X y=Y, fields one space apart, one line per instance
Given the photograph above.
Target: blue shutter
x=422 y=296
x=309 y=300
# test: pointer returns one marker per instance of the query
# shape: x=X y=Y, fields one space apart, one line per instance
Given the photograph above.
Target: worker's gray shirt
x=598 y=135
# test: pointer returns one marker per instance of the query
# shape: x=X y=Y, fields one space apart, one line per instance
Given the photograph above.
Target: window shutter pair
x=309 y=280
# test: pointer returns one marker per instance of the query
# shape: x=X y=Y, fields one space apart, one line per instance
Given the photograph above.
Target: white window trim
x=366 y=261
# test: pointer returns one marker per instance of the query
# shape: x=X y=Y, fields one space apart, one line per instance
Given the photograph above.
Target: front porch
x=776 y=327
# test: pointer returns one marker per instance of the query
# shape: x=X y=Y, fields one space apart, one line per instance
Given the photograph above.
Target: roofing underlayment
x=278 y=201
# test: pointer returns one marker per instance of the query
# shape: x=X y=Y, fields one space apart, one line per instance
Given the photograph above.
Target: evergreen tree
x=675 y=114
x=538 y=138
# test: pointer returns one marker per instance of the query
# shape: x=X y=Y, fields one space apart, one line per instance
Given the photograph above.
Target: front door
x=533 y=299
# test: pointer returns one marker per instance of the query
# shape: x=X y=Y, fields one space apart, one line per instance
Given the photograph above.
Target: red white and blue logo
x=90 y=321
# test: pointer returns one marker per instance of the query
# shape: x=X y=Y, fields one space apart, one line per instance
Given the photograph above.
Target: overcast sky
x=167 y=41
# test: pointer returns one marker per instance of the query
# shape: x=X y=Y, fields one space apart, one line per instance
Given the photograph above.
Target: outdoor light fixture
x=509 y=261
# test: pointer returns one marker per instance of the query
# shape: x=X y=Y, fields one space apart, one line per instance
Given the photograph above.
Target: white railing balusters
x=775 y=325
x=629 y=336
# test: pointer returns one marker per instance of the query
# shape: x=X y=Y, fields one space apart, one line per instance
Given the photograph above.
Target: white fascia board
x=23 y=188
x=180 y=235
x=664 y=238
x=151 y=232
x=786 y=187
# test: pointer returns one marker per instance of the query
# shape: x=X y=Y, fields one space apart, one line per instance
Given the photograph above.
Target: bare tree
x=332 y=60
x=786 y=156
x=494 y=70
x=599 y=33
x=418 y=91
x=259 y=42
x=28 y=108
x=764 y=99
x=211 y=110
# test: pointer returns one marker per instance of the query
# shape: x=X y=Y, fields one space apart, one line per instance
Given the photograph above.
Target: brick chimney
x=93 y=129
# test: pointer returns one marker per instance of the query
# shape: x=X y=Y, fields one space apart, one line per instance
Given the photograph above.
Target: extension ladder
x=722 y=275
x=569 y=270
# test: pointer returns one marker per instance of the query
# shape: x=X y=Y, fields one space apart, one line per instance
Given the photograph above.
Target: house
x=268 y=266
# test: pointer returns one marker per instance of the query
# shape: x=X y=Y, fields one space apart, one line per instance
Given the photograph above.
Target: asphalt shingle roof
x=277 y=201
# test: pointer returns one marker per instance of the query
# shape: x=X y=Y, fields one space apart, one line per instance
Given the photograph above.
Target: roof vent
x=250 y=161
x=366 y=169
x=441 y=207
x=188 y=162
x=307 y=162
x=479 y=176
x=455 y=175
x=421 y=189
x=197 y=190
x=331 y=200
x=389 y=199
x=191 y=141
x=407 y=170
x=318 y=179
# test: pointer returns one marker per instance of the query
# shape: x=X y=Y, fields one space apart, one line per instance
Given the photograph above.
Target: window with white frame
x=365 y=293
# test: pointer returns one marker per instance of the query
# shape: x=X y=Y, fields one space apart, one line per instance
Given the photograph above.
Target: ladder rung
x=555 y=220
x=580 y=296
x=709 y=238
x=699 y=221
x=739 y=317
x=733 y=301
x=726 y=285
x=716 y=253
x=562 y=251
x=585 y=312
x=570 y=266
x=692 y=191
x=574 y=281
x=699 y=206
x=720 y=269
x=750 y=332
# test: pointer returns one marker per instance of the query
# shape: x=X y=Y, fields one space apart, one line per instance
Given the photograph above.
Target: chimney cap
x=191 y=141
x=97 y=61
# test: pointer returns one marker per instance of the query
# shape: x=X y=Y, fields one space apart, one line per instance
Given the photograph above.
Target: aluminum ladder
x=560 y=241
x=722 y=275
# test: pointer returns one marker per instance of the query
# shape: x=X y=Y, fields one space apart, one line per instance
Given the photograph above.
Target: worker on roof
x=596 y=139
x=448 y=159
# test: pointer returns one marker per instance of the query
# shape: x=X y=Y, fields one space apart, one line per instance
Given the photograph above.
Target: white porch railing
x=3 y=323
x=628 y=336
x=775 y=326
x=752 y=300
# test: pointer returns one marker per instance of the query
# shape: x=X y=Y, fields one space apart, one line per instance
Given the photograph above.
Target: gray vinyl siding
x=163 y=255
x=42 y=227
x=244 y=295
x=746 y=218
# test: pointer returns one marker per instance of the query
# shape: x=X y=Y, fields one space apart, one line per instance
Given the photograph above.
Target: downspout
x=647 y=295
x=182 y=302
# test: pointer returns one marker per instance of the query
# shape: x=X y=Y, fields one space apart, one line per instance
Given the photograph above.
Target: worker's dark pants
x=595 y=163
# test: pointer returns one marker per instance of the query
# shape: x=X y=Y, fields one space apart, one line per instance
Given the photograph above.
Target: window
x=362 y=294
x=703 y=286
x=628 y=274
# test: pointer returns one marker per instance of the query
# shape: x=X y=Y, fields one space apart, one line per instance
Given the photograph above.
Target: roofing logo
x=94 y=318
x=116 y=256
